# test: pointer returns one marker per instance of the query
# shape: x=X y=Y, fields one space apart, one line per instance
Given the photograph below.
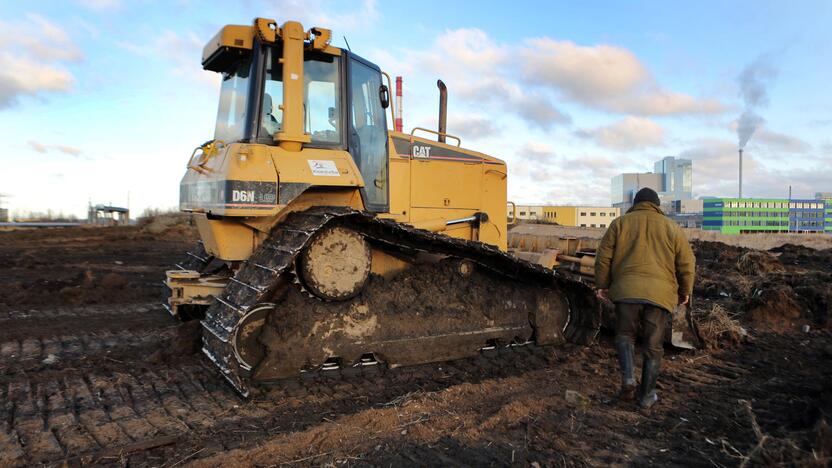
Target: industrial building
x=565 y=215
x=672 y=180
x=745 y=215
x=677 y=178
x=625 y=186
x=806 y=215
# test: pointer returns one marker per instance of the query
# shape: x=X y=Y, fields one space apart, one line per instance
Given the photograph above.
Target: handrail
x=513 y=213
x=390 y=93
x=209 y=148
x=458 y=140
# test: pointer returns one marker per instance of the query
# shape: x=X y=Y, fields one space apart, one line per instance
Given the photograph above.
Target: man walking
x=646 y=267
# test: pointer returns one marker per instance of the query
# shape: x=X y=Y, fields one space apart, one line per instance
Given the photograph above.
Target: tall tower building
x=677 y=177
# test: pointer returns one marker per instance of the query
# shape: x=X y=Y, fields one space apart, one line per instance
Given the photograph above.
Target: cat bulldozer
x=329 y=241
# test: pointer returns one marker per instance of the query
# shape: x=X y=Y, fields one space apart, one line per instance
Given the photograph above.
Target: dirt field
x=93 y=370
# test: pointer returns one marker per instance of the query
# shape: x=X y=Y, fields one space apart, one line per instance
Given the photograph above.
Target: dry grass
x=757 y=263
x=763 y=241
x=718 y=328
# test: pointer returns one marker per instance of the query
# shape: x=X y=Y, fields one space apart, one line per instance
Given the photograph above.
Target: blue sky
x=101 y=98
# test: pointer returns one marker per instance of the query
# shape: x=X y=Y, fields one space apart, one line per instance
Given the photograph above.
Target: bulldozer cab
x=342 y=106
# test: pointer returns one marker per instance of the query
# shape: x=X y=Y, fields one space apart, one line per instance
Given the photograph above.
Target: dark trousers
x=651 y=318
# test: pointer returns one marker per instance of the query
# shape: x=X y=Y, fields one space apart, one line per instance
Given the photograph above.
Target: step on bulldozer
x=329 y=241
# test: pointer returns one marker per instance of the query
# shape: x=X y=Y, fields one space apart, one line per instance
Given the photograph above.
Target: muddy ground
x=89 y=374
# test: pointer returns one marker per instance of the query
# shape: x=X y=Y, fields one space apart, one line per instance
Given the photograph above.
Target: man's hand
x=684 y=300
x=603 y=294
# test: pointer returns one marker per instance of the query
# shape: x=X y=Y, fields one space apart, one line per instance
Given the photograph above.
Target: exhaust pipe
x=399 y=122
x=443 y=110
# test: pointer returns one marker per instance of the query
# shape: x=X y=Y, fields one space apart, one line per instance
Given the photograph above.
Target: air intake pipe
x=443 y=110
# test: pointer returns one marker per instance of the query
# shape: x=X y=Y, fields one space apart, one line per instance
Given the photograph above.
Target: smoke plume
x=753 y=80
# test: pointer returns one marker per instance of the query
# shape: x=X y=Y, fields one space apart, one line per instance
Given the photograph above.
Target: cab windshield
x=321 y=104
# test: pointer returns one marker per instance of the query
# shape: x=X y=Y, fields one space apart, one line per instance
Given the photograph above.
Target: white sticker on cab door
x=323 y=168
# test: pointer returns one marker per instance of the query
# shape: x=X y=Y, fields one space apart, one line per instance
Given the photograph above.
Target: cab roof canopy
x=233 y=42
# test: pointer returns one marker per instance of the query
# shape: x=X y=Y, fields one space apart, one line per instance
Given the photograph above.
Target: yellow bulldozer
x=329 y=241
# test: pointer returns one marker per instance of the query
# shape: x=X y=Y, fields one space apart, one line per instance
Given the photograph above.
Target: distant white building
x=672 y=180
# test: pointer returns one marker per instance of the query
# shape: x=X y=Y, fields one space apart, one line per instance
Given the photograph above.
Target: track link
x=271 y=268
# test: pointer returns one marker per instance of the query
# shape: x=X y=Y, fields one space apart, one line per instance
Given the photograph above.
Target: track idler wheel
x=336 y=264
x=247 y=348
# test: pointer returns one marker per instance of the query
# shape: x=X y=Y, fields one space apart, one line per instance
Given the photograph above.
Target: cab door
x=368 y=132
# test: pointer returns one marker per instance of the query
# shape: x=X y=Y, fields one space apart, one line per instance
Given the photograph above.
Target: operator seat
x=270 y=125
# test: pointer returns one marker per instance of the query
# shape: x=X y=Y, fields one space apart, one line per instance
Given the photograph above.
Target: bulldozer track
x=272 y=266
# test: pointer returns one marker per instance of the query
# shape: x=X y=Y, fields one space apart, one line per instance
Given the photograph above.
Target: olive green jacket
x=645 y=256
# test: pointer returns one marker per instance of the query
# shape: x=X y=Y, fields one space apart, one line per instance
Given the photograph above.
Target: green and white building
x=746 y=215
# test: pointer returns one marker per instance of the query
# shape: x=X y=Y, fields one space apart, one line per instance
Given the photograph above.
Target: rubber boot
x=647 y=395
x=624 y=346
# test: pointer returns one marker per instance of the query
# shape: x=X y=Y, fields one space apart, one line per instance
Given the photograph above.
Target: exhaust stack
x=443 y=110
x=398 y=122
x=740 y=173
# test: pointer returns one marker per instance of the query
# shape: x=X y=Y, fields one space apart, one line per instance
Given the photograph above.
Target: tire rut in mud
x=161 y=411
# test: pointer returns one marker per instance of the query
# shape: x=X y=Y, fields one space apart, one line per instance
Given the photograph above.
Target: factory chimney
x=740 y=172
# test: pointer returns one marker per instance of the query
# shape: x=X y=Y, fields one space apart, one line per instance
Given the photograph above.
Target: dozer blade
x=264 y=326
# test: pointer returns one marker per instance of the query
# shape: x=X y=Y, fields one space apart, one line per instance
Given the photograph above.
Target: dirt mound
x=755 y=262
x=85 y=265
x=778 y=290
x=805 y=257
x=718 y=274
x=716 y=256
x=168 y=224
x=773 y=307
x=783 y=301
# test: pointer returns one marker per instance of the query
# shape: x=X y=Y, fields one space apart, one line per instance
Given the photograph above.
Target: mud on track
x=95 y=380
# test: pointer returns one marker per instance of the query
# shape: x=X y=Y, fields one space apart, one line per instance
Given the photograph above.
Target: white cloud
x=537 y=151
x=605 y=77
x=780 y=142
x=630 y=133
x=43 y=148
x=477 y=68
x=524 y=79
x=182 y=50
x=473 y=127
x=34 y=63
x=24 y=76
x=583 y=73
